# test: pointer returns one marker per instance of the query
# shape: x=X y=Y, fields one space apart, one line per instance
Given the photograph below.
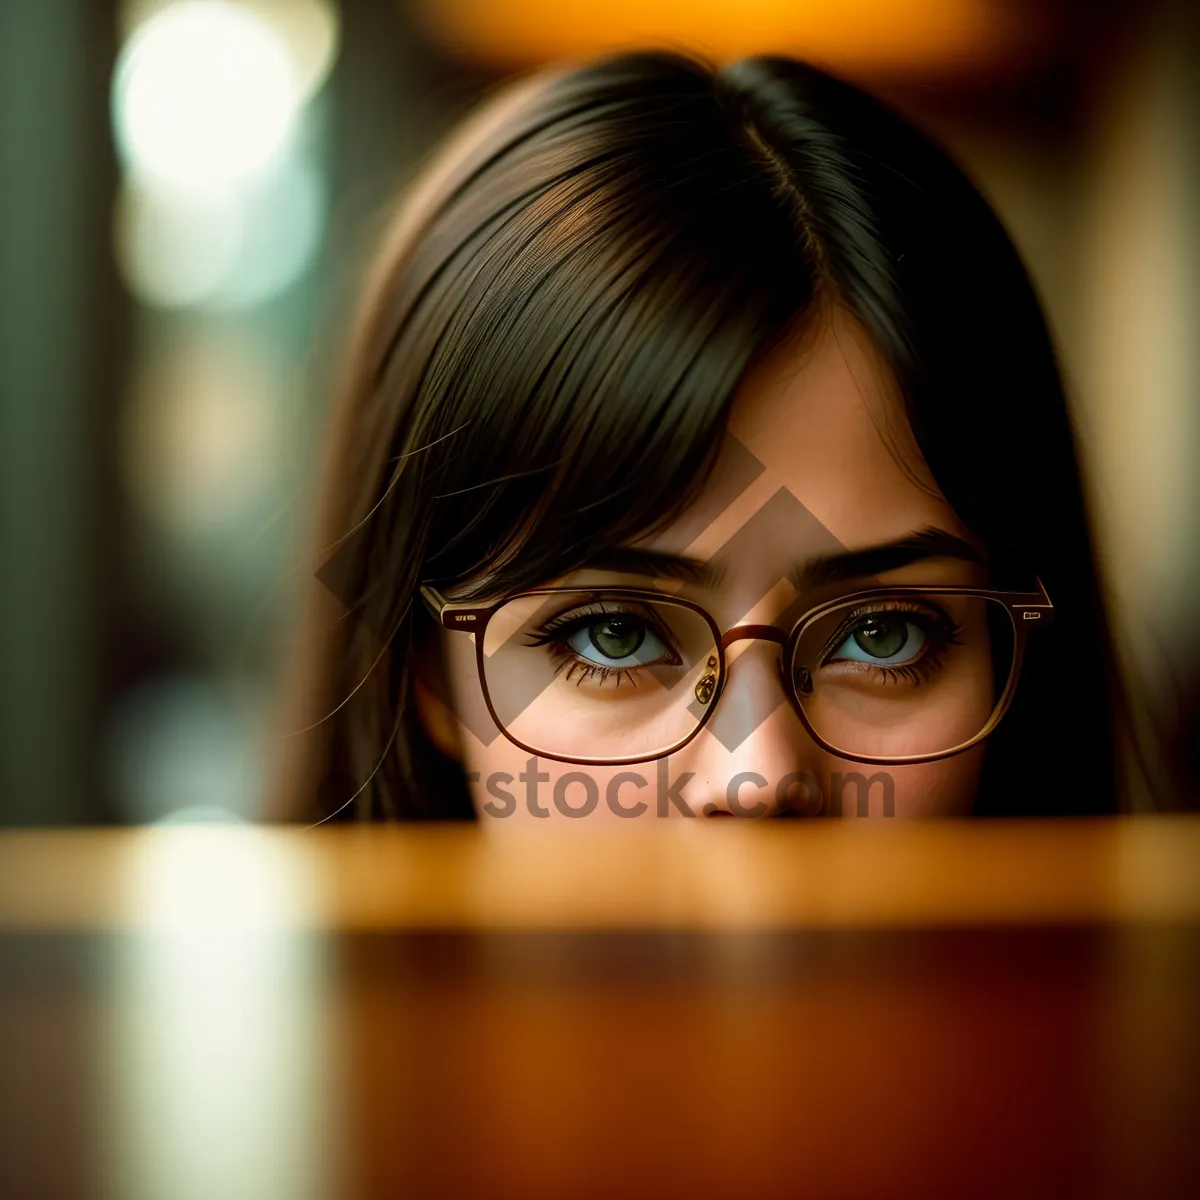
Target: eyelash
x=938 y=626
x=555 y=632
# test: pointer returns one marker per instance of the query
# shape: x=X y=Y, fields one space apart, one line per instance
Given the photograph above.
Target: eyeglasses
x=610 y=676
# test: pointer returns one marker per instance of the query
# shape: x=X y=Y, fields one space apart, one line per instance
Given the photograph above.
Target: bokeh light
x=201 y=443
x=176 y=250
x=282 y=219
x=860 y=35
x=181 y=751
x=309 y=29
x=205 y=94
x=215 y=1054
x=220 y=248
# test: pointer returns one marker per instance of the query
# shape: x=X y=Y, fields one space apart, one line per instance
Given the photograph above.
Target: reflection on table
x=733 y=1009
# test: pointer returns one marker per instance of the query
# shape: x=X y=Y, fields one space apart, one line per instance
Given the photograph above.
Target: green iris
x=617 y=637
x=882 y=637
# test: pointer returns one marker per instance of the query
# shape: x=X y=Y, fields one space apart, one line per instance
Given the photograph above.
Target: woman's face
x=808 y=474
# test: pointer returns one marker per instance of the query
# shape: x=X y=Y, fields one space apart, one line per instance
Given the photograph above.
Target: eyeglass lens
x=604 y=676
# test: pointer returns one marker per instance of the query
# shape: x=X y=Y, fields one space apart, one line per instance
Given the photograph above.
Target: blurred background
x=189 y=190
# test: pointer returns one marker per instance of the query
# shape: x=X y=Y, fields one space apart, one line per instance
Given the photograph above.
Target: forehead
x=821 y=417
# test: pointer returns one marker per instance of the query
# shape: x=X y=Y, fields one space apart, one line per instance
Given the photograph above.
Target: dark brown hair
x=549 y=349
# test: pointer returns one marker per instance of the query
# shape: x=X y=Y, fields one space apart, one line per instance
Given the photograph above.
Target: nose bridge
x=758 y=760
x=747 y=633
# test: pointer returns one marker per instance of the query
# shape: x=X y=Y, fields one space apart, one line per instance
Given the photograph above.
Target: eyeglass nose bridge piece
x=768 y=633
x=757 y=633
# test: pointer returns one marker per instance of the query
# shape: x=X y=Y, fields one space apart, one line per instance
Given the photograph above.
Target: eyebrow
x=924 y=544
x=655 y=564
x=835 y=567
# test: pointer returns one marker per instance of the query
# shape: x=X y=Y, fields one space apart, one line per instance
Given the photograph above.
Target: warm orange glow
x=859 y=35
x=722 y=876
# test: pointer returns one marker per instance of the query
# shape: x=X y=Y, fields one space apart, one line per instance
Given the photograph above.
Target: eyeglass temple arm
x=461 y=617
x=1036 y=606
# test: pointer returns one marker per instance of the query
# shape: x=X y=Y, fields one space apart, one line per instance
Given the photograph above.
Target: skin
x=822 y=416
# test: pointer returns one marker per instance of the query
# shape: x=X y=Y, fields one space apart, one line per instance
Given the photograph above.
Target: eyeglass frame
x=1021 y=607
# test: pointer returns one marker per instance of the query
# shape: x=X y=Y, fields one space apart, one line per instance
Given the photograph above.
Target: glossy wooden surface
x=706 y=875
x=825 y=1010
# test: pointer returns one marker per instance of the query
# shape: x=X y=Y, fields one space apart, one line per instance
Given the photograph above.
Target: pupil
x=616 y=637
x=882 y=638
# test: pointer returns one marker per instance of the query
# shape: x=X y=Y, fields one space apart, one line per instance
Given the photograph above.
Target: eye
x=882 y=639
x=616 y=640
